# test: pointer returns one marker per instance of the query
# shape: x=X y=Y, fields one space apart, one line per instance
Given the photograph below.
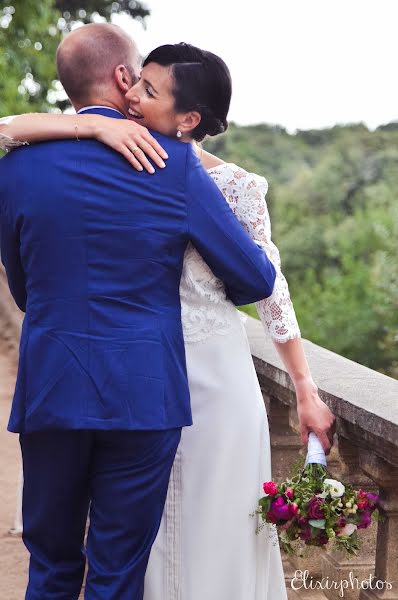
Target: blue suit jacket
x=93 y=252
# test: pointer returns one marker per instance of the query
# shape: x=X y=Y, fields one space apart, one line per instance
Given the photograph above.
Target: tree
x=83 y=10
x=332 y=200
x=28 y=39
x=29 y=34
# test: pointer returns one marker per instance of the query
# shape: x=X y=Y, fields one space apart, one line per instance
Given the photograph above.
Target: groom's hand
x=133 y=141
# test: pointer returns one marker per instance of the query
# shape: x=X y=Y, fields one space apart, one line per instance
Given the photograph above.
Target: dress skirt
x=207 y=547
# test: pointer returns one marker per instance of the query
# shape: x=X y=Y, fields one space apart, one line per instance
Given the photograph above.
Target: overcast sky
x=301 y=64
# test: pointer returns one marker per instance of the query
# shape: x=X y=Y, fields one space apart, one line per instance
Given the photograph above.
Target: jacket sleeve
x=10 y=247
x=221 y=240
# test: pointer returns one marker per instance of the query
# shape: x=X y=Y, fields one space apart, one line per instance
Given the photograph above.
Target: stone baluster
x=285 y=442
x=337 y=567
x=386 y=568
x=286 y=448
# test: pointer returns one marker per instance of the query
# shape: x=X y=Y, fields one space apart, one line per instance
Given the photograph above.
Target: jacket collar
x=105 y=111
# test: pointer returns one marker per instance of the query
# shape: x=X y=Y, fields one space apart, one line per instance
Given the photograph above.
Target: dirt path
x=13 y=556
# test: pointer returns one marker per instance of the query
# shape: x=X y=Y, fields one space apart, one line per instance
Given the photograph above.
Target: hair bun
x=216 y=126
x=211 y=125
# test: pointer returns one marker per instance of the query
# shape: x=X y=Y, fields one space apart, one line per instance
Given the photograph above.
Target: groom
x=94 y=252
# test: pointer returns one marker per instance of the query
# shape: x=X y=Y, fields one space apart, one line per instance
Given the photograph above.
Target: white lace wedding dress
x=207 y=548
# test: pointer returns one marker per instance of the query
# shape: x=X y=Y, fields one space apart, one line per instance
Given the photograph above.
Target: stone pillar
x=337 y=567
x=286 y=448
x=386 y=568
x=285 y=443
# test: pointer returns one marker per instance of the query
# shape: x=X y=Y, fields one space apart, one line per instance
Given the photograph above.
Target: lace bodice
x=206 y=310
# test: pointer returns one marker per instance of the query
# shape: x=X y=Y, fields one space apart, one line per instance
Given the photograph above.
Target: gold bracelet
x=77 y=133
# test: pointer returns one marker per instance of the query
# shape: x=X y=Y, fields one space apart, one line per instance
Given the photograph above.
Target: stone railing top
x=365 y=402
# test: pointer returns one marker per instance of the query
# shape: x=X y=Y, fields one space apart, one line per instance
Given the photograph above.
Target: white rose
x=335 y=488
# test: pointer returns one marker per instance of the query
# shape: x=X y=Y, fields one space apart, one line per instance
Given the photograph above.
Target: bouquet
x=311 y=509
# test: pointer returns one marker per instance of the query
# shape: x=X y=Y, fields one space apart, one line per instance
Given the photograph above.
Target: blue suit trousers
x=120 y=478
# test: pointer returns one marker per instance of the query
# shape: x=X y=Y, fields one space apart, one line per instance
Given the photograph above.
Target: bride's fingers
x=140 y=156
x=331 y=436
x=323 y=438
x=151 y=152
x=304 y=436
x=156 y=147
x=137 y=133
x=126 y=152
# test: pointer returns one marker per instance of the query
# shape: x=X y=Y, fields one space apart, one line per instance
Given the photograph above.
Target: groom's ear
x=123 y=78
x=188 y=121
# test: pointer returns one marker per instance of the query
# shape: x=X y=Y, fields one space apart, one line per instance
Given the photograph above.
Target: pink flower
x=348 y=529
x=287 y=524
x=365 y=520
x=280 y=509
x=305 y=533
x=314 y=508
x=322 y=538
x=270 y=489
x=367 y=500
x=289 y=493
x=271 y=517
x=293 y=508
x=373 y=500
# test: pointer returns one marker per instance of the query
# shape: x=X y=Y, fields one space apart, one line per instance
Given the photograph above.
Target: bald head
x=87 y=59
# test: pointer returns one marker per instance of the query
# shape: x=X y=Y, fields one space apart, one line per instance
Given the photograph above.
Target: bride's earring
x=179 y=134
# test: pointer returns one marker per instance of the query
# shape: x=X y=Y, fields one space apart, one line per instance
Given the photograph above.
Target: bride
x=207 y=548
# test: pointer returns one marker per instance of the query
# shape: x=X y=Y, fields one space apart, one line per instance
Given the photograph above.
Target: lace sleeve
x=7 y=143
x=276 y=312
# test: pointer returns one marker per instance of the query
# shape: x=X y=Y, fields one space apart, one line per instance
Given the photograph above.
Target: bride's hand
x=132 y=140
x=314 y=415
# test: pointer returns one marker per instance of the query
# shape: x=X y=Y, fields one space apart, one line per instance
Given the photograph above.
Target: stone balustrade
x=365 y=454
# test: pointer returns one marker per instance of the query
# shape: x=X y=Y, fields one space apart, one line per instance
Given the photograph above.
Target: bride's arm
x=313 y=413
x=277 y=312
x=278 y=315
x=132 y=140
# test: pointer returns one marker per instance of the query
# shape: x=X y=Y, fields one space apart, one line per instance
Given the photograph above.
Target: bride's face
x=151 y=100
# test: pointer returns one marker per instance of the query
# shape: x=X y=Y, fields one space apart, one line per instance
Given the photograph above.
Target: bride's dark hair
x=202 y=83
